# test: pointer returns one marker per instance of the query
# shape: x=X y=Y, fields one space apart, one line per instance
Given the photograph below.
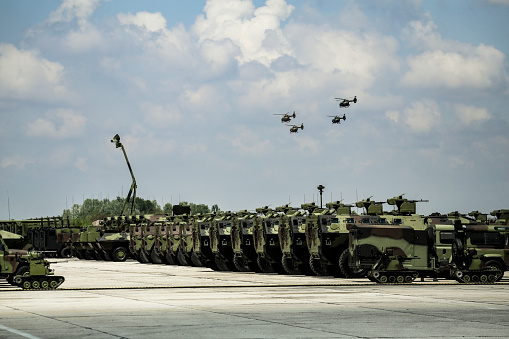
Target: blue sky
x=192 y=91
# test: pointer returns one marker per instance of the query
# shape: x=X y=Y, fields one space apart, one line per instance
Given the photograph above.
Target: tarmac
x=101 y=299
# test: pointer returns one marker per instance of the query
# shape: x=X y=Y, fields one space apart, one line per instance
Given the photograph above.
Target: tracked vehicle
x=399 y=254
x=23 y=268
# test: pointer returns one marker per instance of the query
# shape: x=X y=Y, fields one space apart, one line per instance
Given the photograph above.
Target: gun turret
x=404 y=206
x=339 y=207
x=371 y=207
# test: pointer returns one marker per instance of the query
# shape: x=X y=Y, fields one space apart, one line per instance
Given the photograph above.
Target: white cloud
x=62 y=124
x=483 y=68
x=445 y=63
x=152 y=22
x=25 y=75
x=246 y=140
x=421 y=116
x=19 y=161
x=468 y=114
x=257 y=31
x=73 y=9
x=81 y=164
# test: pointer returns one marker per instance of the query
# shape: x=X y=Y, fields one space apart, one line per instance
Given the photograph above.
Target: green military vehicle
x=23 y=268
x=244 y=253
x=113 y=243
x=201 y=240
x=266 y=241
x=399 y=254
x=292 y=238
x=221 y=243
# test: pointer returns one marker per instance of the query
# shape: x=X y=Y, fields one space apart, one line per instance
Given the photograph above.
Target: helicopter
x=337 y=119
x=346 y=102
x=295 y=128
x=287 y=116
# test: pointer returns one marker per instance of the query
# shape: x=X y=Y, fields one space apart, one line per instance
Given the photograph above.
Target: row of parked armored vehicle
x=385 y=247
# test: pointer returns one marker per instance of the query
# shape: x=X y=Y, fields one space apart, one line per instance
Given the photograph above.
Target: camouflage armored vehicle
x=292 y=238
x=114 y=240
x=83 y=243
x=201 y=240
x=242 y=229
x=220 y=241
x=185 y=254
x=143 y=236
x=266 y=241
x=399 y=254
x=23 y=268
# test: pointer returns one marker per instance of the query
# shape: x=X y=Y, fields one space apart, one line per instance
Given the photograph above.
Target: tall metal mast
x=116 y=140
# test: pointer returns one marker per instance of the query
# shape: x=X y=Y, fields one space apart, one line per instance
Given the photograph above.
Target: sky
x=193 y=89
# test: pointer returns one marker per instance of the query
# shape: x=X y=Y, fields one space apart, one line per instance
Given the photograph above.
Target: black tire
x=241 y=263
x=264 y=265
x=65 y=252
x=290 y=266
x=196 y=260
x=319 y=267
x=154 y=257
x=221 y=264
x=119 y=254
x=498 y=265
x=347 y=271
x=171 y=259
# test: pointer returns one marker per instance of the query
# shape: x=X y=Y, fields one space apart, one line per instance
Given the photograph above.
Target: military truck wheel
x=264 y=265
x=196 y=260
x=144 y=257
x=65 y=252
x=346 y=269
x=119 y=254
x=171 y=259
x=241 y=263
x=182 y=259
x=319 y=266
x=154 y=257
x=290 y=266
x=221 y=264
x=498 y=265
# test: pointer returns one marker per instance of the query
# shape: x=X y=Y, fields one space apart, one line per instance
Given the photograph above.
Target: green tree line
x=94 y=209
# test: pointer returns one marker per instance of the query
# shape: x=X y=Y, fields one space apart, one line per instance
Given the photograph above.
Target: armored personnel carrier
x=292 y=238
x=244 y=253
x=266 y=241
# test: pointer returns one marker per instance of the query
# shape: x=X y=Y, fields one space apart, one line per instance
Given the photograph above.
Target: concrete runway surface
x=132 y=300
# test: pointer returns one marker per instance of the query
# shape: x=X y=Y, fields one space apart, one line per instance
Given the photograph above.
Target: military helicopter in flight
x=346 y=102
x=337 y=119
x=287 y=116
x=295 y=128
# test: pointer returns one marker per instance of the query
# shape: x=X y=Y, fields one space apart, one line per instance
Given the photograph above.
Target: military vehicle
x=399 y=254
x=201 y=240
x=221 y=241
x=242 y=239
x=113 y=243
x=292 y=239
x=266 y=241
x=185 y=254
x=23 y=268
x=48 y=235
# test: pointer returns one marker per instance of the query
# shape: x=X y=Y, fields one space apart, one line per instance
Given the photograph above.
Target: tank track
x=488 y=275
x=38 y=282
x=392 y=277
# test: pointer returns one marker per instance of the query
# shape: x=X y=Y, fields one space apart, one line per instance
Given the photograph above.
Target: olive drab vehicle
x=24 y=268
x=201 y=240
x=49 y=235
x=242 y=239
x=114 y=240
x=266 y=241
x=292 y=238
x=185 y=255
x=399 y=254
x=221 y=243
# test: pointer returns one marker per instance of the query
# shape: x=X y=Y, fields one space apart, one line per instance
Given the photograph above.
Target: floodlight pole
x=321 y=188
x=116 y=140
